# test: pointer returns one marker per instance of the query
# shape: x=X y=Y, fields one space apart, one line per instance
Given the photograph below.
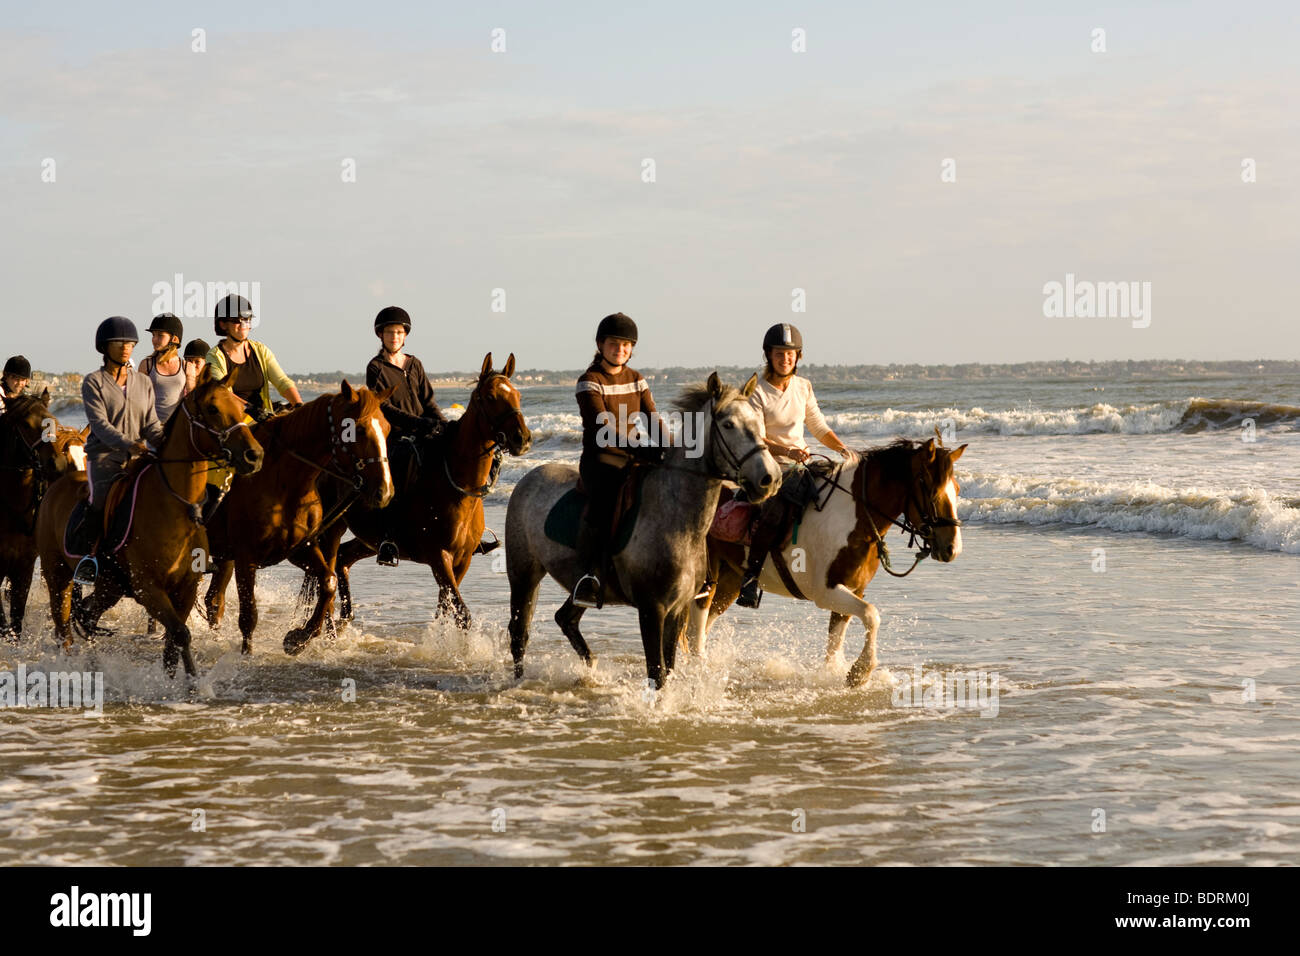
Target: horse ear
x=487 y=365
x=748 y=388
x=510 y=366
x=938 y=434
x=929 y=447
x=348 y=391
x=956 y=453
x=715 y=386
x=85 y=433
x=204 y=376
x=386 y=394
x=45 y=396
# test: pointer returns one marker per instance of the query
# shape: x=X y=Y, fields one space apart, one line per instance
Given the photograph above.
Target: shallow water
x=1161 y=690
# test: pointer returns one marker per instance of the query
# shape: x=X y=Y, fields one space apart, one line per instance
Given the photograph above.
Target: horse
x=436 y=517
x=662 y=566
x=38 y=452
x=841 y=545
x=157 y=559
x=277 y=514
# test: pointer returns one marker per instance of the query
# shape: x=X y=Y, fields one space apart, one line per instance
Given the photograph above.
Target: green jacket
x=272 y=374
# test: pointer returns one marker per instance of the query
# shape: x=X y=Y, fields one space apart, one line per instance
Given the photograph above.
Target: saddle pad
x=562 y=520
x=734 y=521
x=118 y=522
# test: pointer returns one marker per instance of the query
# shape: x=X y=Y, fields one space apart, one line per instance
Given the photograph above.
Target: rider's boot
x=387 y=553
x=213 y=496
x=89 y=532
x=770 y=528
x=588 y=592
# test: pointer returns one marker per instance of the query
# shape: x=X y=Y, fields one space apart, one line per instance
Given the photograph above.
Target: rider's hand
x=139 y=448
x=798 y=454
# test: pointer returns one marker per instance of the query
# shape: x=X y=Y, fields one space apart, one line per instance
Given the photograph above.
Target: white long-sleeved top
x=786 y=414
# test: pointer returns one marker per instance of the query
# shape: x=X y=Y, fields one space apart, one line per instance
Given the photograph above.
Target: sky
x=524 y=171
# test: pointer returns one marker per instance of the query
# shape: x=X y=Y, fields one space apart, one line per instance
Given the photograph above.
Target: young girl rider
x=610 y=395
x=164 y=367
x=787 y=404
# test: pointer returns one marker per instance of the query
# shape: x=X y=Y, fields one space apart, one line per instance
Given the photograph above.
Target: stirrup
x=751 y=595
x=387 y=554
x=485 y=546
x=586 y=601
x=86 y=572
x=705 y=592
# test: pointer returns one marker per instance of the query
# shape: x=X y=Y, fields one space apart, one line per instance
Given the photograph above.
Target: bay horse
x=663 y=564
x=37 y=451
x=841 y=546
x=277 y=513
x=158 y=557
x=436 y=517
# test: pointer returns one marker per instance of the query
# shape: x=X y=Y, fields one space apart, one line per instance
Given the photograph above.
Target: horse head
x=495 y=403
x=734 y=445
x=69 y=448
x=29 y=417
x=361 y=443
x=932 y=503
x=217 y=429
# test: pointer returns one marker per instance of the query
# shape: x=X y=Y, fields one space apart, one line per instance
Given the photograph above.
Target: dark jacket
x=412 y=406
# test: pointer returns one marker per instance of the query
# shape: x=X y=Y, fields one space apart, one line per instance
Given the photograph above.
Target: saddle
x=119 y=516
x=736 y=521
x=563 y=519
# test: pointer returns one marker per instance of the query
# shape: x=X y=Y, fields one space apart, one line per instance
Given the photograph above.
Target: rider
x=258 y=368
x=18 y=372
x=196 y=356
x=611 y=397
x=119 y=404
x=787 y=404
x=412 y=410
x=164 y=366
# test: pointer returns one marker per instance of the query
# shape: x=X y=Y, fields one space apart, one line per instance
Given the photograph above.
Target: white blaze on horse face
x=78 y=455
x=950 y=490
x=383 y=453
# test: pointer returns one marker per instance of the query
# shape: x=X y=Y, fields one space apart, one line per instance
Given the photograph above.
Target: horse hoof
x=859 y=675
x=296 y=641
x=519 y=670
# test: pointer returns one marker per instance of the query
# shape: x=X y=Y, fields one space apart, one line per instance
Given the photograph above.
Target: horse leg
x=349 y=554
x=157 y=600
x=674 y=624
x=652 y=639
x=568 y=617
x=844 y=601
x=449 y=599
x=20 y=585
x=214 y=602
x=245 y=578
x=696 y=625
x=58 y=582
x=318 y=571
x=5 y=632
x=835 y=639
x=524 y=576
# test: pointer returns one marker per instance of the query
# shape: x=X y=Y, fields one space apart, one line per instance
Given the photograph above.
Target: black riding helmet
x=392 y=315
x=231 y=307
x=116 y=328
x=168 y=322
x=18 y=365
x=618 y=326
x=198 y=349
x=783 y=335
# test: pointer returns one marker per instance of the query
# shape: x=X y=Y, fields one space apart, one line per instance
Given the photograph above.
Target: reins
x=496 y=438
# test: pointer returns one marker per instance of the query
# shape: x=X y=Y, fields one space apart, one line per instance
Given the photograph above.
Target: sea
x=1107 y=675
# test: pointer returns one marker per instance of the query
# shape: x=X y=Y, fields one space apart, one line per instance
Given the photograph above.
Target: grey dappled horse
x=664 y=562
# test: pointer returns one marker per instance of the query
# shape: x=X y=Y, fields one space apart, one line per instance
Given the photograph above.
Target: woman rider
x=196 y=356
x=412 y=410
x=164 y=366
x=610 y=396
x=258 y=369
x=119 y=404
x=787 y=404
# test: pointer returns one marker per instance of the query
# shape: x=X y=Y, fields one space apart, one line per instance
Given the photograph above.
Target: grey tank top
x=166 y=390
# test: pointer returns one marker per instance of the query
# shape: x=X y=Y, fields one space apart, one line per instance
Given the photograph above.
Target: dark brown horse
x=35 y=451
x=276 y=514
x=158 y=557
x=437 y=514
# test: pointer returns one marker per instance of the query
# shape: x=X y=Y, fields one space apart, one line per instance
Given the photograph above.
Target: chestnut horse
x=158 y=555
x=37 y=451
x=437 y=517
x=267 y=516
x=841 y=546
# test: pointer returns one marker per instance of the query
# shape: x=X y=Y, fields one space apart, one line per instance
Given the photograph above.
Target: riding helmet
x=231 y=307
x=392 y=315
x=18 y=365
x=783 y=335
x=618 y=326
x=198 y=349
x=167 y=322
x=116 y=328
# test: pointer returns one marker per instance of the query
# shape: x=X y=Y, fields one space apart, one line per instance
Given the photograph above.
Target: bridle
x=494 y=431
x=219 y=459
x=40 y=479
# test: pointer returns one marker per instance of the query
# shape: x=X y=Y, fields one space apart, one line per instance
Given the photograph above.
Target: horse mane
x=694 y=397
x=20 y=405
x=895 y=459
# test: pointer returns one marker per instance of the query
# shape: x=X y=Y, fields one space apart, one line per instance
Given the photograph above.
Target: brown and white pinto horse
x=37 y=451
x=157 y=557
x=839 y=546
x=438 y=517
x=276 y=514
